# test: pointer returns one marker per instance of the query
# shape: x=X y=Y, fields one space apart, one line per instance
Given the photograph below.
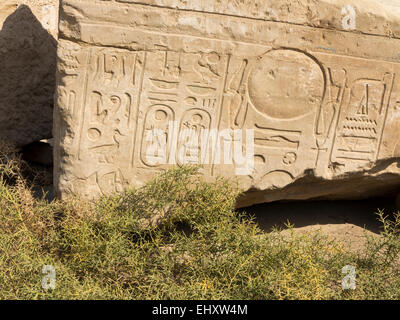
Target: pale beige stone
x=28 y=33
x=45 y=11
x=318 y=81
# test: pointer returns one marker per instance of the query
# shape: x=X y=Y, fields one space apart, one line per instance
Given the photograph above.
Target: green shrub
x=177 y=237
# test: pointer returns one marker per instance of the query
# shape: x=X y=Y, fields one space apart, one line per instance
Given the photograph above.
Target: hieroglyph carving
x=312 y=102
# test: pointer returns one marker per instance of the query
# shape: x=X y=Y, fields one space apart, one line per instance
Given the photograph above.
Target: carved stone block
x=314 y=84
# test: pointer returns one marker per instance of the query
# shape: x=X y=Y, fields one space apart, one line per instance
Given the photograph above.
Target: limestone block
x=28 y=33
x=311 y=87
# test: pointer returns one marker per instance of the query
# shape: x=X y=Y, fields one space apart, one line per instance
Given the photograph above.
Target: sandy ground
x=346 y=221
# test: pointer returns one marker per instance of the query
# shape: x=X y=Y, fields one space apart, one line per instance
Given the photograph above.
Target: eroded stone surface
x=28 y=29
x=317 y=81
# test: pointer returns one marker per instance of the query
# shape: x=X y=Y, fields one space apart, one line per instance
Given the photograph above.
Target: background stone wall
x=393 y=3
x=28 y=33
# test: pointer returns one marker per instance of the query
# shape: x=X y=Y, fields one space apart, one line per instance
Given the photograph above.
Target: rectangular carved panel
x=318 y=98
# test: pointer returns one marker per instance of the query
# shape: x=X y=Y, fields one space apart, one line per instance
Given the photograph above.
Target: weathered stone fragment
x=317 y=82
x=28 y=29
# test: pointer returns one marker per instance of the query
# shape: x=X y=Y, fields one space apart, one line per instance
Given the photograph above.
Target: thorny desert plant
x=15 y=171
x=385 y=249
x=177 y=237
x=10 y=164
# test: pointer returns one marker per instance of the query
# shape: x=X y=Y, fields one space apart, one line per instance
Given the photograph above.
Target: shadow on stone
x=322 y=213
x=27 y=79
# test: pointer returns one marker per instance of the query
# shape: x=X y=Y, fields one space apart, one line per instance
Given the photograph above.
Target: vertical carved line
x=85 y=94
x=219 y=116
x=135 y=137
x=385 y=119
